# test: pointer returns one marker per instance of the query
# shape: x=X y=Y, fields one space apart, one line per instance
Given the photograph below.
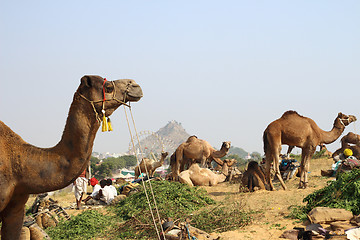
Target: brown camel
x=295 y=130
x=350 y=138
x=26 y=169
x=326 y=151
x=253 y=178
x=197 y=176
x=150 y=165
x=354 y=148
x=196 y=150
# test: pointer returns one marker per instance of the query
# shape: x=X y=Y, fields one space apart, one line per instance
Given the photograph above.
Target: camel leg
x=268 y=162
x=12 y=218
x=306 y=155
x=289 y=150
x=203 y=162
x=277 y=171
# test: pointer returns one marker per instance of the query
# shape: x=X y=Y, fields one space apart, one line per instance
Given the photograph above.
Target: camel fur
x=295 y=130
x=196 y=150
x=149 y=165
x=26 y=169
x=197 y=176
x=253 y=178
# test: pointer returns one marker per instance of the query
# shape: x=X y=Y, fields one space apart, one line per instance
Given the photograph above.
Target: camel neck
x=328 y=137
x=63 y=163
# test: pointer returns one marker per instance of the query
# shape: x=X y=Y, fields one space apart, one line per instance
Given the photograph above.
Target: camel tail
x=266 y=142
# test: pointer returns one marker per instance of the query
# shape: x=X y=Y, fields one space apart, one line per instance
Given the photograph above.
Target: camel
x=26 y=169
x=295 y=130
x=196 y=150
x=150 y=165
x=350 y=138
x=197 y=176
x=253 y=178
x=354 y=148
x=326 y=151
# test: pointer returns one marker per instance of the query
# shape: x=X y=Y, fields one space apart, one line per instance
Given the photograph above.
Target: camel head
x=344 y=120
x=164 y=155
x=226 y=145
x=95 y=89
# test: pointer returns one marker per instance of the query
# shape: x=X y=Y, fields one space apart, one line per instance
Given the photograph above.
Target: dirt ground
x=270 y=221
x=272 y=207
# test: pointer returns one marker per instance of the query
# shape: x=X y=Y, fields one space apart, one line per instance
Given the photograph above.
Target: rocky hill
x=167 y=138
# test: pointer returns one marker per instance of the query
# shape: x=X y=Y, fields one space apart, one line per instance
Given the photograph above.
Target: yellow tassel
x=104 y=127
x=109 y=125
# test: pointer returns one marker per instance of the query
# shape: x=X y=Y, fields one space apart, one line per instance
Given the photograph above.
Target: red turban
x=93 y=181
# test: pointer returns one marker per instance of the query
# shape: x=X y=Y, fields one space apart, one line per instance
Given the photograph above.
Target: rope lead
x=147 y=173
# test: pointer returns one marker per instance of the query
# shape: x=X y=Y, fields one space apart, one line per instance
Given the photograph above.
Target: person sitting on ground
x=341 y=158
x=112 y=188
x=350 y=162
x=106 y=193
x=97 y=198
x=96 y=187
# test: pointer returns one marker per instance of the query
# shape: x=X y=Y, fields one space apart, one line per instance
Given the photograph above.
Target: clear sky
x=224 y=69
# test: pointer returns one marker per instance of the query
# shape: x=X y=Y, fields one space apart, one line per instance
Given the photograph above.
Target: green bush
x=342 y=193
x=179 y=202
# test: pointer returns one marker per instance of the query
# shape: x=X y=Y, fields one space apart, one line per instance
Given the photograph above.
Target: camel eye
x=109 y=88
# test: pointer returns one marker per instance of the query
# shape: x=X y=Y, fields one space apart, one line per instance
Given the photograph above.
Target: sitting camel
x=197 y=176
x=26 y=169
x=354 y=148
x=295 y=130
x=196 y=150
x=350 y=138
x=253 y=178
x=150 y=165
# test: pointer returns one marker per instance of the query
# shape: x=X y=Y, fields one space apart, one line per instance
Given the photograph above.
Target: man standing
x=80 y=185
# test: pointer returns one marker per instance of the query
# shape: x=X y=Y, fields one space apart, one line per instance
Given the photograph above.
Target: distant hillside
x=167 y=138
x=239 y=151
x=173 y=131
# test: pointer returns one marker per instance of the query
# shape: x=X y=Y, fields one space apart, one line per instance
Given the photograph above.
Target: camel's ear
x=86 y=81
x=340 y=114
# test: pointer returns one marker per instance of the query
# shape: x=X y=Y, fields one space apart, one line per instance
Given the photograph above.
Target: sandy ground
x=272 y=207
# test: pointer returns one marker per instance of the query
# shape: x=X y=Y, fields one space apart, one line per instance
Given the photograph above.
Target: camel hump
x=192 y=138
x=290 y=113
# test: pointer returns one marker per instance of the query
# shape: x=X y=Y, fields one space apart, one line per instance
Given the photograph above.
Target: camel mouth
x=134 y=97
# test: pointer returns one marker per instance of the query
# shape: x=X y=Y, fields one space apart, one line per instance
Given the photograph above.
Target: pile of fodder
x=86 y=225
x=177 y=201
x=342 y=193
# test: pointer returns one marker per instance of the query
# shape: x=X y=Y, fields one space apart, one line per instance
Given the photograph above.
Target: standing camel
x=196 y=150
x=26 y=169
x=295 y=130
x=149 y=165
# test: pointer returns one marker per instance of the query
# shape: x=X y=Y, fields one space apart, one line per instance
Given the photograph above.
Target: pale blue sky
x=224 y=69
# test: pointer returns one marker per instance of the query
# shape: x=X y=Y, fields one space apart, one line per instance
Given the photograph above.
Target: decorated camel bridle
x=342 y=121
x=106 y=123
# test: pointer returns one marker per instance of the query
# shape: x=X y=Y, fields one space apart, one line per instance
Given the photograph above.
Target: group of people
x=103 y=192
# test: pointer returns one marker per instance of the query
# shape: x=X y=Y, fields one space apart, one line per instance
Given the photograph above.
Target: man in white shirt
x=113 y=189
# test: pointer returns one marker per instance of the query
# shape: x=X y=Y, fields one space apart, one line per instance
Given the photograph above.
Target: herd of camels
x=26 y=169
